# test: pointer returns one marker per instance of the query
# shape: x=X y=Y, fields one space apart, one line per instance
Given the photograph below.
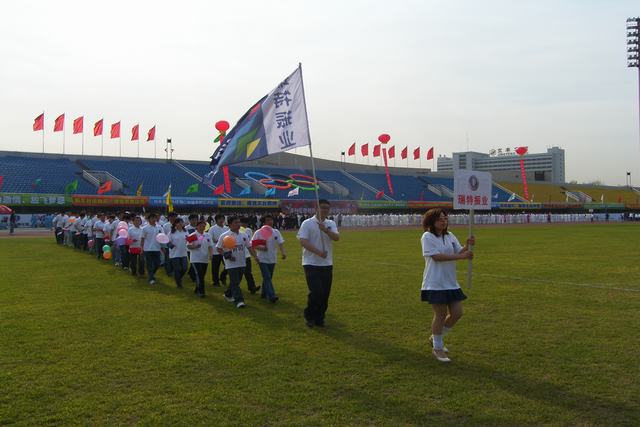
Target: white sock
x=445 y=330
x=438 y=343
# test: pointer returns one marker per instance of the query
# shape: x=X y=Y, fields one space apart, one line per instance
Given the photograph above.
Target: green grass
x=546 y=339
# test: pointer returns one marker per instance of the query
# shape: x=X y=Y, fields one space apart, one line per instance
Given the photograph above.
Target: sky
x=448 y=74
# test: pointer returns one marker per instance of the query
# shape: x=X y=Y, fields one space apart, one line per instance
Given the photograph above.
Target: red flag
x=59 y=124
x=134 y=133
x=404 y=152
x=151 y=135
x=38 y=123
x=416 y=153
x=365 y=150
x=104 y=188
x=376 y=150
x=97 y=128
x=218 y=190
x=1 y=181
x=379 y=194
x=352 y=150
x=78 y=125
x=392 y=152
x=430 y=154
x=115 y=130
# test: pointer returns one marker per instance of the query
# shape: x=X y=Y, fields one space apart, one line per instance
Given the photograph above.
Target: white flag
x=512 y=197
x=294 y=192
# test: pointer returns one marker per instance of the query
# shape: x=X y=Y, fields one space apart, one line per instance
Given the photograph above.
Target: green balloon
x=106 y=248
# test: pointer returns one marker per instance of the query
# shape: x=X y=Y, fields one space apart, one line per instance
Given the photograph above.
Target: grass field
x=551 y=335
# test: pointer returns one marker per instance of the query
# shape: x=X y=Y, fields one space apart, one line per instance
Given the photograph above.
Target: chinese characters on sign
x=283 y=117
x=472 y=190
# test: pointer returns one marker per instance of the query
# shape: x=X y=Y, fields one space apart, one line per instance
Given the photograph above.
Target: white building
x=504 y=164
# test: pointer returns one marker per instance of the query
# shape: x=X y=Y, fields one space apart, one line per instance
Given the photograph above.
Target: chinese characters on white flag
x=471 y=190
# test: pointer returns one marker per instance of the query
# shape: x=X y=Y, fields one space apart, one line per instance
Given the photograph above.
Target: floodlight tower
x=633 y=51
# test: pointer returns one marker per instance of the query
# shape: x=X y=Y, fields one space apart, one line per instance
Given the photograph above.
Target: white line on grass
x=605 y=286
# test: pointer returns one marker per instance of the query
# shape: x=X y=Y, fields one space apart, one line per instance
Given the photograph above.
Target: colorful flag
x=430 y=154
x=58 y=126
x=134 y=133
x=36 y=183
x=294 y=192
x=78 y=125
x=167 y=199
x=364 y=150
x=352 y=150
x=97 y=127
x=71 y=187
x=404 y=153
x=38 y=123
x=376 y=150
x=105 y=188
x=245 y=192
x=193 y=188
x=276 y=123
x=151 y=135
x=392 y=152
x=270 y=192
x=416 y=153
x=115 y=130
x=218 y=190
x=379 y=194
x=139 y=190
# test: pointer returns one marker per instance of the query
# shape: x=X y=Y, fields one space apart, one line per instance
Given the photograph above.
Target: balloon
x=123 y=224
x=107 y=255
x=229 y=242
x=384 y=138
x=90 y=243
x=122 y=232
x=222 y=126
x=106 y=248
x=243 y=230
x=162 y=238
x=266 y=232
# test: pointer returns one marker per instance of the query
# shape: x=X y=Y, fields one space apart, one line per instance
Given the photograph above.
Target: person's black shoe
x=309 y=322
x=319 y=323
x=274 y=299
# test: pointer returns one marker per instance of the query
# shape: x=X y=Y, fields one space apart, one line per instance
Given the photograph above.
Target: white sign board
x=471 y=190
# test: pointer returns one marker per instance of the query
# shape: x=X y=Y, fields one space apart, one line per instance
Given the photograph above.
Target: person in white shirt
x=316 y=236
x=178 y=250
x=234 y=260
x=267 y=255
x=166 y=229
x=134 y=238
x=98 y=232
x=200 y=251
x=151 y=247
x=216 y=260
x=57 y=227
x=440 y=288
x=248 y=270
x=66 y=228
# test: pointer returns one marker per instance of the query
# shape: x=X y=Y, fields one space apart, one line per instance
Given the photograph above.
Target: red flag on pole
x=78 y=125
x=430 y=154
x=416 y=153
x=404 y=153
x=134 y=133
x=376 y=150
x=97 y=128
x=364 y=150
x=352 y=150
x=151 y=135
x=38 y=123
x=104 y=188
x=392 y=152
x=218 y=190
x=379 y=194
x=115 y=130
x=58 y=126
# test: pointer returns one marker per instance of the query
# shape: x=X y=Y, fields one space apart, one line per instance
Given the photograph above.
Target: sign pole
x=470 y=262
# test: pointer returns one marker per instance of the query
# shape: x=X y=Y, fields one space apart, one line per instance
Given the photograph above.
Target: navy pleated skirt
x=443 y=297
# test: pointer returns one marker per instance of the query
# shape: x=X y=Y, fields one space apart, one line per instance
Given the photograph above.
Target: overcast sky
x=505 y=73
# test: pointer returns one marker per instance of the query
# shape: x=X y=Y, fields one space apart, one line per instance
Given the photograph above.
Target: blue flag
x=245 y=192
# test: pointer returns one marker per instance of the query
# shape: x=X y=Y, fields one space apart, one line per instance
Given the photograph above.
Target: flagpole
x=155 y=145
x=64 y=131
x=313 y=164
x=102 y=143
x=83 y=137
x=120 y=142
x=42 y=131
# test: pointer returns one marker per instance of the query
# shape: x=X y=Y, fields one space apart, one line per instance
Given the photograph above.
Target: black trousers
x=251 y=283
x=234 y=291
x=200 y=271
x=124 y=256
x=319 y=280
x=136 y=264
x=178 y=268
x=216 y=261
x=59 y=235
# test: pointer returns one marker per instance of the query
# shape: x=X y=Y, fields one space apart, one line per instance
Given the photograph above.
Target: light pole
x=633 y=52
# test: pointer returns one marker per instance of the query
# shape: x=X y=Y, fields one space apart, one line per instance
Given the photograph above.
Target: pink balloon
x=266 y=232
x=162 y=238
x=90 y=243
x=122 y=232
x=123 y=224
x=222 y=126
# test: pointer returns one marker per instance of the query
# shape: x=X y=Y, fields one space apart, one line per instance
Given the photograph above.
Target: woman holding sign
x=440 y=288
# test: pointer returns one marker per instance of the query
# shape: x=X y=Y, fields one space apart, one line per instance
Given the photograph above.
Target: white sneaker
x=230 y=299
x=444 y=348
x=152 y=282
x=441 y=356
x=241 y=304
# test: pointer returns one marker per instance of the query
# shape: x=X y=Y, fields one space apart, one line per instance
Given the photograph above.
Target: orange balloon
x=229 y=242
x=107 y=255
